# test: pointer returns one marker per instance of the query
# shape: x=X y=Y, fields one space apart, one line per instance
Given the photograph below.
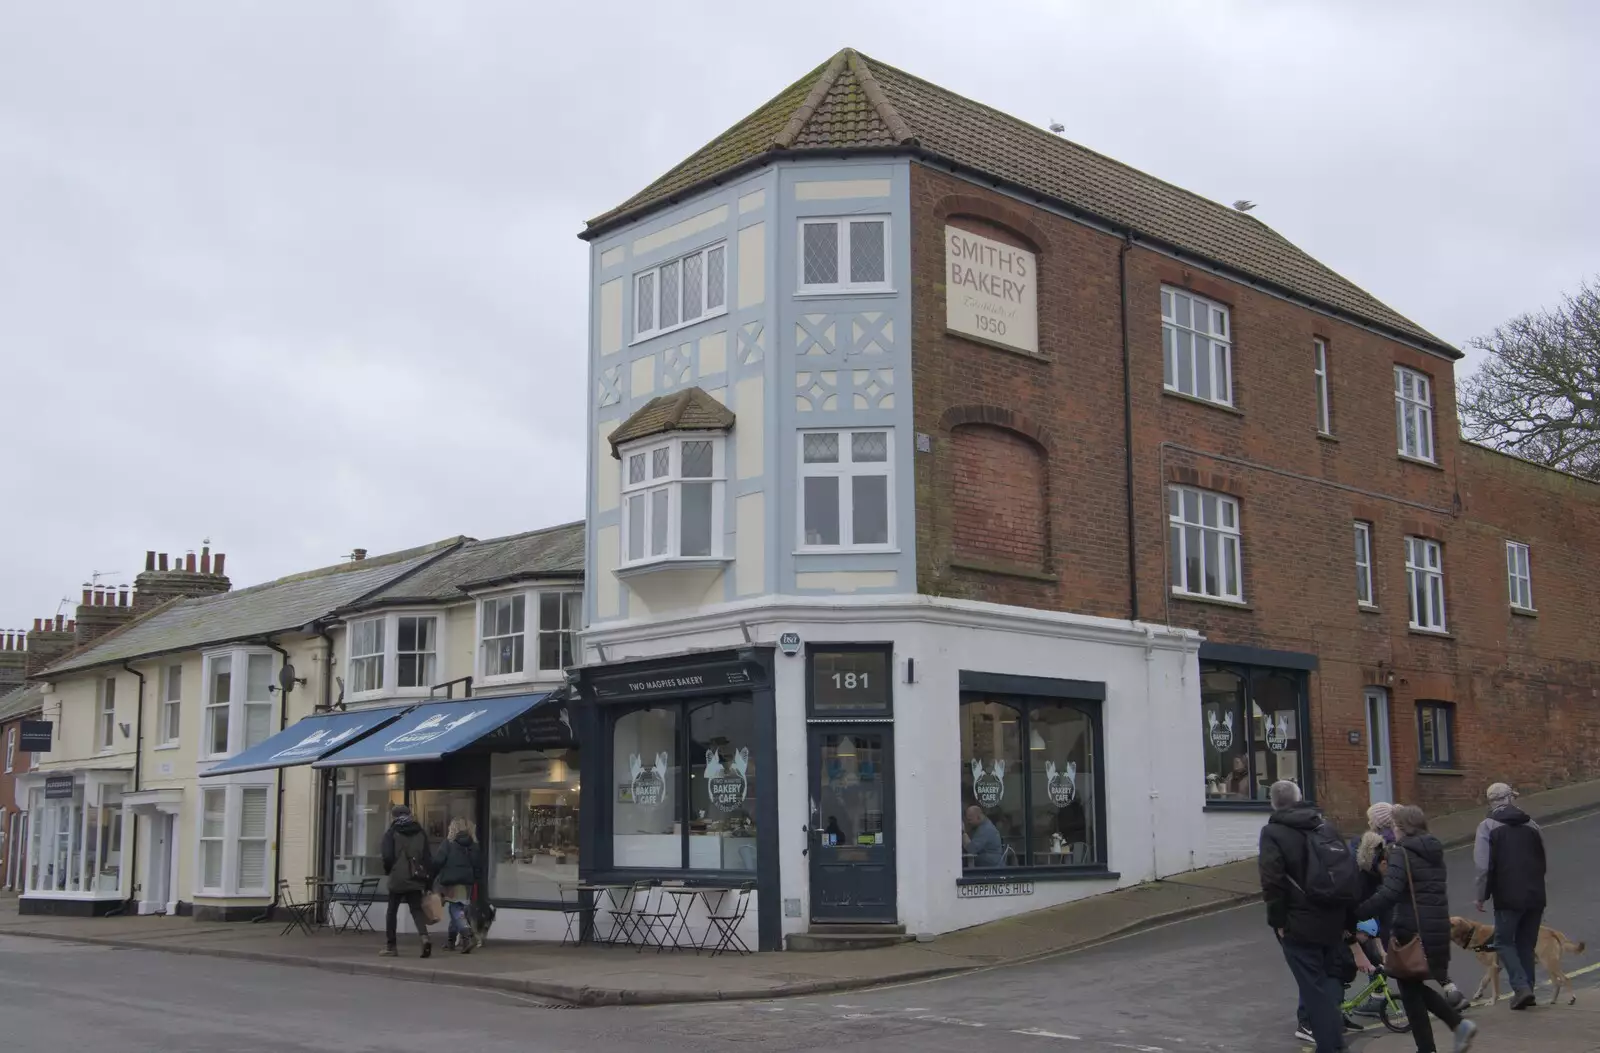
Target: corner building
x=937 y=461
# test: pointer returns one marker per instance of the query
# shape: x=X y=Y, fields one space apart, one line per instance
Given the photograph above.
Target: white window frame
x=708 y=309
x=11 y=748
x=237 y=706
x=1425 y=565
x=1319 y=356
x=388 y=656
x=540 y=630
x=1519 y=575
x=671 y=482
x=532 y=628
x=1364 y=576
x=1413 y=404
x=171 y=708
x=845 y=469
x=1219 y=345
x=106 y=714
x=483 y=639
x=231 y=840
x=1228 y=537
x=844 y=227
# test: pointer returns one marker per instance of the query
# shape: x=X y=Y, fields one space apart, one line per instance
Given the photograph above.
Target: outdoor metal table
x=620 y=898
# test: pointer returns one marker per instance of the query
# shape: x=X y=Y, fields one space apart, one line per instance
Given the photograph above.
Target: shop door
x=160 y=890
x=1380 y=779
x=852 y=823
x=435 y=809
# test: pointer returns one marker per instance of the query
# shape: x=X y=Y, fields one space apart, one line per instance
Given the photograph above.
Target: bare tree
x=1538 y=394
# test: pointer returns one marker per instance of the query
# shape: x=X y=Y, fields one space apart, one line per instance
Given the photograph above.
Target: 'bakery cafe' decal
x=727 y=785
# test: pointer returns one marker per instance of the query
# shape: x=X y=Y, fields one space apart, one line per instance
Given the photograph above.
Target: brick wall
x=1526 y=689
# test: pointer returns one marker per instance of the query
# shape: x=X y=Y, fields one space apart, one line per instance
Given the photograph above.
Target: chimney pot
x=72 y=625
x=358 y=554
x=188 y=563
x=216 y=564
x=86 y=599
x=150 y=560
x=38 y=625
x=122 y=596
x=205 y=559
x=58 y=623
x=163 y=561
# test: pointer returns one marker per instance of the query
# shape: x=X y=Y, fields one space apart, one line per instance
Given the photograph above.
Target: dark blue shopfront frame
x=432 y=730
x=309 y=740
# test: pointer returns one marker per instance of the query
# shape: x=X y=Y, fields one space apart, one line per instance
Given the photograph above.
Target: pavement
x=614 y=976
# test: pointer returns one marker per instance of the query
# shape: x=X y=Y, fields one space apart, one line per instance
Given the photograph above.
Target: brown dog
x=1474 y=936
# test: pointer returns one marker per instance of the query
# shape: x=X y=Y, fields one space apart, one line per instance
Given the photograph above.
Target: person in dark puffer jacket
x=1416 y=870
x=1511 y=871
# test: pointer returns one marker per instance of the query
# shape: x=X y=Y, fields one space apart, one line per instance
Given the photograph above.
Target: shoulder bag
x=1408 y=960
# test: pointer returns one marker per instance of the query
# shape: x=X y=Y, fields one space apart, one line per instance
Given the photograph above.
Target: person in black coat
x=1416 y=891
x=458 y=869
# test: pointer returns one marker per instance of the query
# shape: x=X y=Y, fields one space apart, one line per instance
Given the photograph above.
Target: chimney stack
x=13 y=661
x=48 y=641
x=187 y=577
x=100 y=613
x=358 y=554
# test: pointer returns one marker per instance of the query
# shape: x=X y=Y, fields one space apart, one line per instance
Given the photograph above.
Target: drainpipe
x=138 y=770
x=277 y=844
x=1127 y=430
x=321 y=821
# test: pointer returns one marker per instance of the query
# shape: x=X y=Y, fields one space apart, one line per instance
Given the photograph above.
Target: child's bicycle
x=1390 y=1009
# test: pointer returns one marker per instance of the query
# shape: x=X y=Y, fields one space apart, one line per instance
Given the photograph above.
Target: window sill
x=1525 y=612
x=167 y=746
x=1327 y=436
x=1018 y=874
x=1198 y=401
x=1004 y=570
x=1441 y=634
x=831 y=294
x=720 y=312
x=834 y=550
x=633 y=570
x=1369 y=608
x=1238 y=806
x=1435 y=465
x=1214 y=601
x=1453 y=773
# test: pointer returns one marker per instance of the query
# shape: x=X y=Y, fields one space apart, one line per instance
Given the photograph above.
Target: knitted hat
x=1381 y=815
x=400 y=811
x=1500 y=792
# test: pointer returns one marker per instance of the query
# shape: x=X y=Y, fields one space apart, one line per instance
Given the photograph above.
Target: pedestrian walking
x=1509 y=853
x=408 y=865
x=459 y=866
x=1372 y=861
x=1416 y=892
x=1310 y=885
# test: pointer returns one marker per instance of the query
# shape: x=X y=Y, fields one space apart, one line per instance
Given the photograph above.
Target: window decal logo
x=729 y=785
x=649 y=784
x=1061 y=786
x=1221 y=734
x=989 y=788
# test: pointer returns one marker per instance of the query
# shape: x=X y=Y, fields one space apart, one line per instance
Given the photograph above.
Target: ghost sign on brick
x=990 y=291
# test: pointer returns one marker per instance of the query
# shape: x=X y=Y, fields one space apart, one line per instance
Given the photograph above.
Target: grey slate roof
x=273 y=607
x=855 y=104
x=551 y=551
x=21 y=701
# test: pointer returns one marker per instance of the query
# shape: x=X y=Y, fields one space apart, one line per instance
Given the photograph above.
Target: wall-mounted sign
x=1354 y=737
x=789 y=643
x=58 y=788
x=850 y=680
x=990 y=889
x=677 y=680
x=990 y=291
x=36 y=736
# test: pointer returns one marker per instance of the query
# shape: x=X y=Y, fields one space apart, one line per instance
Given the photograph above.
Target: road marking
x=951 y=1020
x=1141 y=1049
x=1038 y=1033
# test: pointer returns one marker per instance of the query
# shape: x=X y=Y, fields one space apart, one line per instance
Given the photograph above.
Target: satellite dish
x=286 y=679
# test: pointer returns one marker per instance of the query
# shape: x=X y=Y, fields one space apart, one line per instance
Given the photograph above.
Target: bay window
x=846 y=481
x=844 y=255
x=672 y=499
x=74 y=839
x=394 y=654
x=681 y=291
x=541 y=623
x=238 y=710
x=233 y=839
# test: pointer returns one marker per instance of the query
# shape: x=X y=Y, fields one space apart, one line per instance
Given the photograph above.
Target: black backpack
x=1332 y=878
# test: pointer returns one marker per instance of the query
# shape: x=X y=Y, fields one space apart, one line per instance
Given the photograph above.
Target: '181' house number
x=852 y=680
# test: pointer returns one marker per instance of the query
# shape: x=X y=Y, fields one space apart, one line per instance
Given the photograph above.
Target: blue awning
x=311 y=739
x=434 y=729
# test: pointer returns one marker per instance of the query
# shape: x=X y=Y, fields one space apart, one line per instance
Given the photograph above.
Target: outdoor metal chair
x=656 y=919
x=577 y=913
x=357 y=904
x=727 y=918
x=301 y=915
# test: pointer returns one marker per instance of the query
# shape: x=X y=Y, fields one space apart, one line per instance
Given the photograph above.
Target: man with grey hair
x=1509 y=853
x=1310 y=884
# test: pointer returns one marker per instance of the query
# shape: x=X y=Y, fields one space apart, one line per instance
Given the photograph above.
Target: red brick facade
x=1019 y=438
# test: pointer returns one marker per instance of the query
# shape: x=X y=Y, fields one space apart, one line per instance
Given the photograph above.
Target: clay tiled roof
x=688 y=410
x=854 y=103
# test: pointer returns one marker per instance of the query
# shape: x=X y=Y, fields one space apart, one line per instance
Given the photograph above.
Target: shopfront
x=77 y=839
x=682 y=782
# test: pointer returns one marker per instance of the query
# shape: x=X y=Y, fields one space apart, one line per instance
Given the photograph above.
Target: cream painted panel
x=679 y=231
x=752 y=202
x=644 y=376
x=611 y=317
x=749 y=429
x=461 y=636
x=750 y=542
x=714 y=353
x=606 y=586
x=752 y=265
x=613 y=256
x=720 y=394
x=846 y=580
x=607 y=470
x=843 y=188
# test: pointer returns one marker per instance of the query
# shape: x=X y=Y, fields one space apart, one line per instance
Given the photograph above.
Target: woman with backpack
x=459 y=866
x=1415 y=889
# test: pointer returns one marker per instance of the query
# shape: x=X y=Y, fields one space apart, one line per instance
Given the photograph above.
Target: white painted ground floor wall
x=1154 y=777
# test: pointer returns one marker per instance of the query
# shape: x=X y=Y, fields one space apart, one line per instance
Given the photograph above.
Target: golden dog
x=1474 y=936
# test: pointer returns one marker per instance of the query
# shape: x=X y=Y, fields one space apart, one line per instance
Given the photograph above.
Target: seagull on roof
x=1244 y=206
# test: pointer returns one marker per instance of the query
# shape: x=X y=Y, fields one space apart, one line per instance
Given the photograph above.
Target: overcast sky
x=300 y=277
